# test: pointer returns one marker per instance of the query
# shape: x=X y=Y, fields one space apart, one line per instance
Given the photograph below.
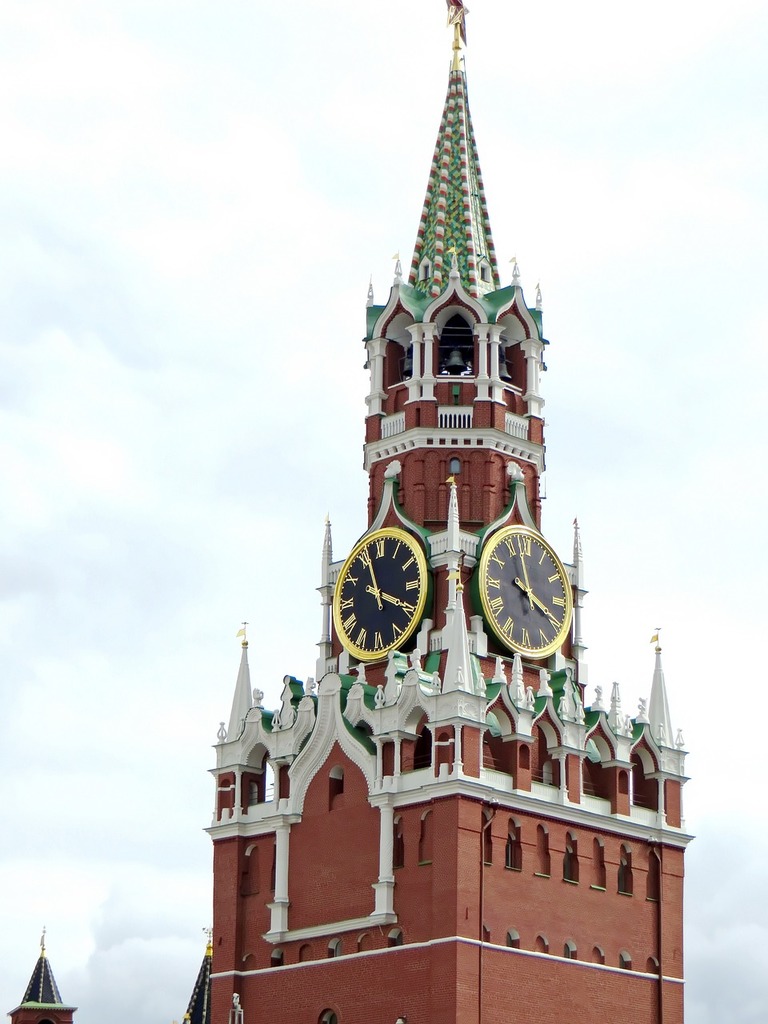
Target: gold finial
x=655 y=639
x=209 y=946
x=457 y=12
x=42 y=942
x=451 y=480
x=454 y=574
x=241 y=632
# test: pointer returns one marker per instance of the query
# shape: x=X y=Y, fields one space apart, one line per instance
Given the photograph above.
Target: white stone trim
x=485 y=437
x=363 y=922
x=319 y=931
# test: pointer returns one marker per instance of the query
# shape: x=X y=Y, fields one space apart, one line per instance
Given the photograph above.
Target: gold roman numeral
x=497 y=604
x=412 y=585
x=507 y=628
x=411 y=561
x=544 y=637
x=380 y=547
x=559 y=601
x=495 y=584
x=378 y=642
x=498 y=561
x=553 y=577
x=349 y=624
x=396 y=631
x=347 y=603
x=524 y=545
x=362 y=636
x=526 y=640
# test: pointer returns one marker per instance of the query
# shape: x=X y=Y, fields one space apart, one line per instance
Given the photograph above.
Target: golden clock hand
x=527 y=580
x=544 y=608
x=377 y=594
x=522 y=586
x=398 y=601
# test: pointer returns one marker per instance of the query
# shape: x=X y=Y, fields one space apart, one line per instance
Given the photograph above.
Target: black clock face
x=524 y=591
x=380 y=594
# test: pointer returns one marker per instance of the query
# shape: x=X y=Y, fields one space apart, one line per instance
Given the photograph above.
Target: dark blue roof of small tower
x=42 y=990
x=199 y=1009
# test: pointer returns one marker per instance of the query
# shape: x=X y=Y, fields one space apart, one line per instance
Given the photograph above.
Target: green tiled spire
x=455 y=214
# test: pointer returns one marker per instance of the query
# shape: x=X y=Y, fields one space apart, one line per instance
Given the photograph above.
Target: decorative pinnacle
x=457 y=12
x=209 y=945
x=369 y=299
x=241 y=632
x=655 y=640
x=42 y=942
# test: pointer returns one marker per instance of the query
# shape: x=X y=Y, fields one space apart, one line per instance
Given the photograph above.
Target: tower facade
x=453 y=833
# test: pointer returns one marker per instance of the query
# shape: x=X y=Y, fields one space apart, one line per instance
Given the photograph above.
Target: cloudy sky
x=192 y=198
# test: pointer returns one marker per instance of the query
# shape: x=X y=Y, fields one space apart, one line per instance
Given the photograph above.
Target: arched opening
x=625 y=871
x=444 y=748
x=336 y=787
x=645 y=791
x=525 y=756
x=651 y=965
x=569 y=949
x=327 y=1017
x=398 y=844
x=249 y=877
x=571 y=858
x=454 y=466
x=456 y=351
x=395 y=937
x=277 y=958
x=513 y=854
x=364 y=942
x=425 y=838
x=542 y=851
x=487 y=828
x=493 y=751
x=598 y=955
x=334 y=948
x=422 y=754
x=273 y=869
x=598 y=864
x=653 y=881
x=305 y=953
x=542 y=944
x=625 y=960
x=513 y=939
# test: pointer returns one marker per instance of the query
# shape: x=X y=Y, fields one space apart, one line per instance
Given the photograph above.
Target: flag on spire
x=457 y=13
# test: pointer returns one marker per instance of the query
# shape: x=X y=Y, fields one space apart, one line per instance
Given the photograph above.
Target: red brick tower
x=453 y=835
x=42 y=1003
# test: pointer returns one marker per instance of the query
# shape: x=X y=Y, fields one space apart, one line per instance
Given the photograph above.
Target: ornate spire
x=658 y=707
x=42 y=989
x=241 y=702
x=199 y=1009
x=455 y=213
x=458 y=673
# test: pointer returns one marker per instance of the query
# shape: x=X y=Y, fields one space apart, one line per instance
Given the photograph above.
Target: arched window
x=547 y=774
x=398 y=844
x=273 y=870
x=598 y=955
x=625 y=871
x=513 y=854
x=277 y=958
x=422 y=754
x=425 y=838
x=305 y=952
x=363 y=941
x=327 y=1017
x=569 y=949
x=525 y=757
x=487 y=826
x=425 y=270
x=598 y=864
x=571 y=858
x=454 y=466
x=653 y=881
x=542 y=944
x=395 y=937
x=513 y=939
x=542 y=850
x=625 y=960
x=457 y=347
x=334 y=948
x=335 y=787
x=249 y=877
x=651 y=965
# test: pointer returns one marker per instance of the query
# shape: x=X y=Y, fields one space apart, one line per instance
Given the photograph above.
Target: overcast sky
x=192 y=198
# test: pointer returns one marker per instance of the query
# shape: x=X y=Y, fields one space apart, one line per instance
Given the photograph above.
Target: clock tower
x=454 y=829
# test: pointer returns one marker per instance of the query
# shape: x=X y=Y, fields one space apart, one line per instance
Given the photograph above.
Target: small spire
x=614 y=715
x=515 y=272
x=658 y=706
x=209 y=945
x=241 y=702
x=42 y=942
x=398 y=269
x=242 y=633
x=517 y=684
x=458 y=666
x=457 y=14
x=369 y=299
x=578 y=554
x=327 y=555
x=454 y=532
x=538 y=297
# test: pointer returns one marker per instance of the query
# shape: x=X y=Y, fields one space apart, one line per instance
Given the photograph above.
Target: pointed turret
x=241 y=702
x=459 y=674
x=42 y=993
x=199 y=1009
x=658 y=706
x=455 y=213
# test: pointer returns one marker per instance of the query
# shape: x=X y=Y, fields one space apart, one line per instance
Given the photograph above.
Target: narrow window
x=569 y=950
x=542 y=944
x=327 y=1017
x=304 y=952
x=364 y=942
x=513 y=939
x=653 y=882
x=334 y=948
x=395 y=937
x=398 y=847
x=335 y=788
x=277 y=958
x=598 y=864
x=651 y=965
x=454 y=467
x=487 y=827
x=422 y=754
x=571 y=859
x=625 y=871
x=542 y=850
x=425 y=838
x=273 y=872
x=513 y=857
x=598 y=955
x=625 y=960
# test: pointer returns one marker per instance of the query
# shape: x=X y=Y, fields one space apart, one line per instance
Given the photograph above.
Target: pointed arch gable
x=519 y=312
x=454 y=300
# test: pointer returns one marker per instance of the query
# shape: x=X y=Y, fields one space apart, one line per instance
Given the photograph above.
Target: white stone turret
x=658 y=706
x=579 y=591
x=241 y=702
x=459 y=674
x=326 y=596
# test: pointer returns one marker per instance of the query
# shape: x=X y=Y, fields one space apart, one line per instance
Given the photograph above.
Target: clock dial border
x=490 y=615
x=393 y=533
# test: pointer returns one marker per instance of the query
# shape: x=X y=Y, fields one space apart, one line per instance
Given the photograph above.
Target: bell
x=503 y=368
x=455 y=364
x=408 y=363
